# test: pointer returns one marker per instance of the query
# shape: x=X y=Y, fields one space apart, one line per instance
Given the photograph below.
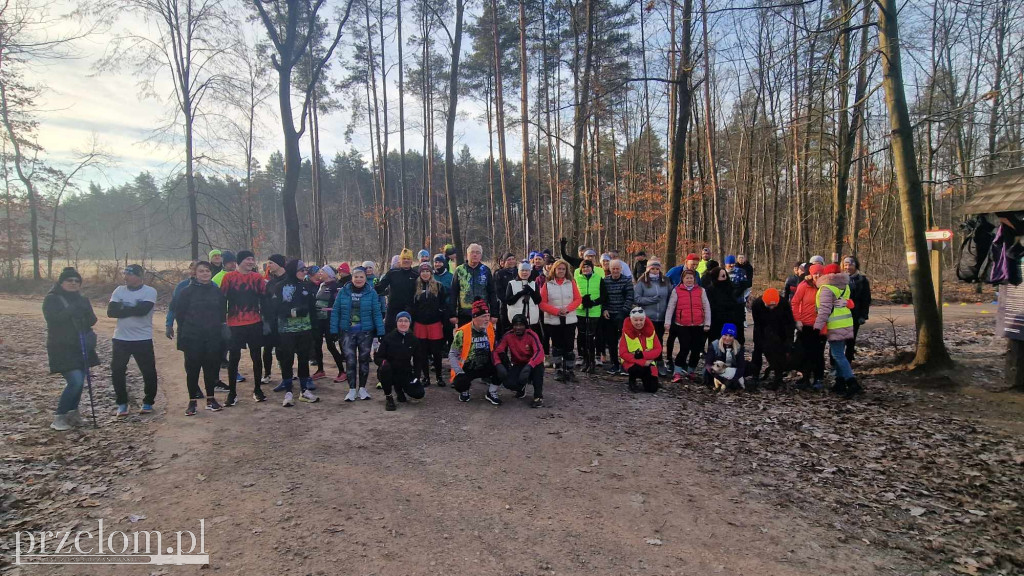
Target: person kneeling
x=394 y=360
x=724 y=365
x=519 y=360
x=639 y=350
x=470 y=355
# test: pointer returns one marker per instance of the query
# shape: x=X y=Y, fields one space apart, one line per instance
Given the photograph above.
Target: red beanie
x=344 y=269
x=831 y=269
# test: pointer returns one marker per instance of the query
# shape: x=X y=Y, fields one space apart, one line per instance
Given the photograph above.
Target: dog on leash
x=723 y=374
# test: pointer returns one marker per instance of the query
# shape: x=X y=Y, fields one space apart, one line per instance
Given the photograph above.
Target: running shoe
x=146 y=409
x=258 y=395
x=389 y=404
x=232 y=399
x=463 y=396
x=677 y=377
x=288 y=402
x=283 y=385
x=351 y=396
x=342 y=377
x=308 y=396
x=122 y=410
x=521 y=393
x=212 y=405
x=537 y=403
x=267 y=379
x=319 y=375
x=239 y=377
x=493 y=399
x=191 y=410
x=220 y=385
x=363 y=394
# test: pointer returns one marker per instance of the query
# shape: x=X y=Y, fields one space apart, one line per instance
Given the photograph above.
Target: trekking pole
x=88 y=376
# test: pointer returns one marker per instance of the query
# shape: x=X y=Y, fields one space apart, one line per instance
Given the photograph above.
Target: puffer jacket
x=555 y=294
x=400 y=286
x=829 y=302
x=397 y=350
x=429 y=308
x=860 y=293
x=805 y=311
x=653 y=298
x=370 y=319
x=619 y=297
x=199 y=310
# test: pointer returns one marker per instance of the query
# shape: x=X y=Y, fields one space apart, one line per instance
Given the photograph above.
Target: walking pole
x=88 y=376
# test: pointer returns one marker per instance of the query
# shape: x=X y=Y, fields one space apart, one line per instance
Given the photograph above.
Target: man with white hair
x=473 y=281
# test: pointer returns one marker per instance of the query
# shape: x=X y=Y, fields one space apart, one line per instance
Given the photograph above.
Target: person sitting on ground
x=470 y=355
x=773 y=336
x=519 y=360
x=394 y=358
x=639 y=351
x=724 y=364
x=70 y=344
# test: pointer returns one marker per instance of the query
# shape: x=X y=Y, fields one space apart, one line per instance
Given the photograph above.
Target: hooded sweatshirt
x=294 y=301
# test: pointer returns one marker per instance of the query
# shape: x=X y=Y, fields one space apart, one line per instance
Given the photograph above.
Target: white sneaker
x=351 y=396
x=363 y=394
x=60 y=423
x=267 y=379
x=308 y=396
x=288 y=402
x=74 y=418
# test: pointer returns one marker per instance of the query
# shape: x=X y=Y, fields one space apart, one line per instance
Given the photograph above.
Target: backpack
x=973 y=258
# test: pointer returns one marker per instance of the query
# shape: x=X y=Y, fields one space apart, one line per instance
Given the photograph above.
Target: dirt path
x=441 y=487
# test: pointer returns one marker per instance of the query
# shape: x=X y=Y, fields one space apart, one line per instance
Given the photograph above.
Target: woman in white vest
x=523 y=297
x=559 y=299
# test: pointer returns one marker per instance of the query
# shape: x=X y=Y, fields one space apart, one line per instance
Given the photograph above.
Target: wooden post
x=936 y=256
x=1014 y=360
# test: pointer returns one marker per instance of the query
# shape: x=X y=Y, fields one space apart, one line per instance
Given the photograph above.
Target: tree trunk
x=709 y=129
x=449 y=143
x=931 y=350
x=681 y=111
x=524 y=120
x=579 y=122
x=401 y=129
x=499 y=116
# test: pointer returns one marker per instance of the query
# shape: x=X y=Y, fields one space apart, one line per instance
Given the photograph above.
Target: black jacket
x=792 y=282
x=200 y=310
x=397 y=350
x=501 y=279
x=860 y=293
x=269 y=302
x=427 y=308
x=67 y=314
x=724 y=307
x=400 y=287
x=772 y=327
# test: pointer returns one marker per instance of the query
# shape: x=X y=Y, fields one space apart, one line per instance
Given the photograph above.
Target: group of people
x=501 y=327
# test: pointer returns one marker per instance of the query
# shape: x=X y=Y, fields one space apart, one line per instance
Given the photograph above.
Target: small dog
x=723 y=375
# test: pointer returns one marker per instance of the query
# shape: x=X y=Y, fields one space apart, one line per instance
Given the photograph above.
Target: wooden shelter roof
x=1003 y=193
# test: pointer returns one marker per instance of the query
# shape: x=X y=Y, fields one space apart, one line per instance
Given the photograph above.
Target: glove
x=527 y=289
x=638 y=355
x=169 y=332
x=588 y=301
x=562 y=242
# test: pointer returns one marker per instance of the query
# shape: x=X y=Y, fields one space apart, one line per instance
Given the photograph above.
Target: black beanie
x=67 y=273
x=243 y=254
x=277 y=259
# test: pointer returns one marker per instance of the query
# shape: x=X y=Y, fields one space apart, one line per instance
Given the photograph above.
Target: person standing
x=591 y=289
x=216 y=261
x=725 y=309
x=473 y=281
x=809 y=343
x=294 y=304
x=651 y=292
x=507 y=271
x=835 y=318
x=132 y=304
x=371 y=277
x=243 y=289
x=70 y=344
x=559 y=299
x=441 y=272
x=470 y=355
x=522 y=297
x=860 y=293
x=519 y=360
x=688 y=319
x=275 y=275
x=773 y=336
x=794 y=280
x=618 y=301
x=640 y=266
x=326 y=293
x=201 y=312
x=399 y=284
x=394 y=358
x=429 y=312
x=705 y=262
x=357 y=318
x=639 y=351
x=449 y=256
x=230 y=265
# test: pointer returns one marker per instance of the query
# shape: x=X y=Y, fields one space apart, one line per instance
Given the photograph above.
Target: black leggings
x=691 y=344
x=562 y=337
x=586 y=338
x=206 y=360
x=142 y=351
x=399 y=381
x=323 y=332
x=812 y=349
x=290 y=345
x=512 y=379
x=429 y=352
x=462 y=382
x=649 y=381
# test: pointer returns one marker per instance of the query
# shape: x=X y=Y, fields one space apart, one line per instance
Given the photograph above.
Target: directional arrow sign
x=938 y=235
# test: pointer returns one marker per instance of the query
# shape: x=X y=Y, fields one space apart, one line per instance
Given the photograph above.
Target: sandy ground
x=593 y=483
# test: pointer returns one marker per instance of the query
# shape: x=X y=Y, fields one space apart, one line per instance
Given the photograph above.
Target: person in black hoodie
x=860 y=293
x=399 y=284
x=429 y=312
x=294 y=302
x=394 y=359
x=724 y=307
x=275 y=275
x=507 y=271
x=69 y=321
x=200 y=311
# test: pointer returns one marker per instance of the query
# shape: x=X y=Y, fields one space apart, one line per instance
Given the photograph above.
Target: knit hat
x=653 y=262
x=589 y=253
x=277 y=259
x=730 y=259
x=404 y=254
x=135 y=270
x=519 y=319
x=535 y=254
x=368 y=264
x=426 y=266
x=606 y=257
x=525 y=265
x=770 y=296
x=344 y=269
x=640 y=253
x=359 y=269
x=440 y=258
x=311 y=270
x=214 y=252
x=692 y=256
x=637 y=312
x=816 y=270
x=729 y=330
x=506 y=256
x=588 y=263
x=394 y=260
x=243 y=254
x=326 y=269
x=831 y=269
x=480 y=309
x=68 y=273
x=423 y=254
x=705 y=249
x=403 y=314
x=817 y=260
x=449 y=249
x=228 y=256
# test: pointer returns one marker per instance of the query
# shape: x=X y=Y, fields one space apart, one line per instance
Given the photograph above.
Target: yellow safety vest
x=633 y=344
x=841 y=316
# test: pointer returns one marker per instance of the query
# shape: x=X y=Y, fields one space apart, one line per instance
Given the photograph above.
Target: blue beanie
x=729 y=330
x=730 y=259
x=403 y=314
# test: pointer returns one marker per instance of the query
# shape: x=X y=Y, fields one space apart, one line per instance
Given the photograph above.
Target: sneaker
x=426 y=381
x=146 y=409
x=258 y=395
x=493 y=399
x=239 y=377
x=612 y=370
x=561 y=376
x=319 y=375
x=220 y=385
x=389 y=404
x=191 y=410
x=74 y=418
x=537 y=403
x=363 y=394
x=60 y=423
x=818 y=386
x=122 y=410
x=380 y=386
x=212 y=405
x=309 y=384
x=342 y=377
x=599 y=363
x=266 y=379
x=282 y=386
x=232 y=399
x=463 y=396
x=351 y=396
x=308 y=396
x=677 y=377
x=288 y=402
x=521 y=393
x=440 y=382
x=622 y=372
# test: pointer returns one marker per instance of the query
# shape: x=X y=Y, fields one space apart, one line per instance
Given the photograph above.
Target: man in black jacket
x=860 y=293
x=399 y=284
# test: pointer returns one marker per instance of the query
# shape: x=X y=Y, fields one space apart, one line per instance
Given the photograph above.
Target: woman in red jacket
x=810 y=345
x=639 y=351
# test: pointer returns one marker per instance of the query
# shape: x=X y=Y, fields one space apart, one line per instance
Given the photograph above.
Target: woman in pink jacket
x=835 y=322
